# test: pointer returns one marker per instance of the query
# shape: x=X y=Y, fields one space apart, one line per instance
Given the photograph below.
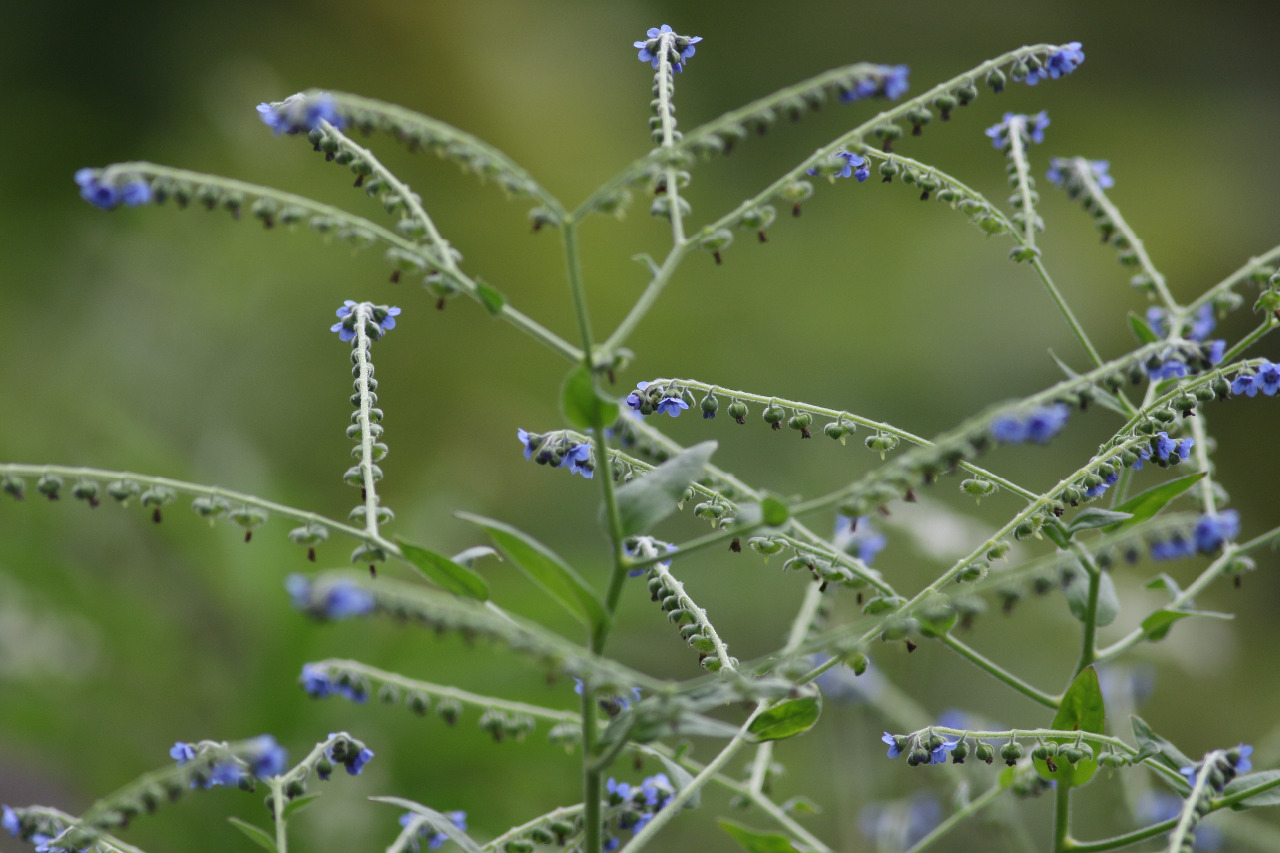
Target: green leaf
x=1077 y=593
x=1101 y=396
x=1163 y=581
x=545 y=568
x=1146 y=504
x=755 y=841
x=492 y=300
x=646 y=500
x=1141 y=329
x=584 y=407
x=1152 y=746
x=1094 y=517
x=774 y=512
x=440 y=823
x=257 y=834
x=297 y=804
x=1251 y=780
x=645 y=723
x=1081 y=709
x=788 y=719
x=445 y=573
x=1155 y=626
x=1056 y=533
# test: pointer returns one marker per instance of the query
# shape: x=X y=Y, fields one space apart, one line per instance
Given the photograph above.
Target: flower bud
x=881 y=443
x=773 y=415
x=1011 y=752
x=15 y=486
x=49 y=485
x=738 y=411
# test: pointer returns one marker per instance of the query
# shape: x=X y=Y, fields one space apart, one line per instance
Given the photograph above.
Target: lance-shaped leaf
x=444 y=572
x=1141 y=330
x=1082 y=710
x=755 y=841
x=1157 y=748
x=1270 y=797
x=1145 y=505
x=646 y=500
x=439 y=822
x=258 y=835
x=788 y=719
x=1157 y=625
x=545 y=568
x=1095 y=517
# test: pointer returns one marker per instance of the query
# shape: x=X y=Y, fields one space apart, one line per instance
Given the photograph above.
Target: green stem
x=278 y=802
x=1018 y=155
x=1088 y=641
x=1076 y=328
x=647 y=299
x=1062 y=819
x=999 y=672
x=955 y=818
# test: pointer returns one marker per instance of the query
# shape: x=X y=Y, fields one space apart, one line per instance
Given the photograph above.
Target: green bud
x=738 y=411
x=15 y=486
x=1011 y=752
x=881 y=443
x=773 y=415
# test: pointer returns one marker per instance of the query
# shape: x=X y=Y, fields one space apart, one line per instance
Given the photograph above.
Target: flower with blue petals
x=318 y=684
x=1097 y=489
x=10 y=821
x=888 y=81
x=1059 y=64
x=435 y=840
x=577 y=460
x=110 y=196
x=300 y=112
x=672 y=406
x=182 y=753
x=895 y=744
x=382 y=317
x=1062 y=173
x=1212 y=530
x=680 y=48
x=938 y=755
x=854 y=165
x=1165 y=447
x=266 y=757
x=1038 y=425
x=1266 y=380
x=858 y=536
x=345 y=599
x=1029 y=128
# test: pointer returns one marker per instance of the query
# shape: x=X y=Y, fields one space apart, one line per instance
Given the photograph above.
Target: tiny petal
x=182 y=753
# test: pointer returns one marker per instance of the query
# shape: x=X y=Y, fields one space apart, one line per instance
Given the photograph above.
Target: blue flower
x=1212 y=530
x=182 y=753
x=657 y=790
x=224 y=773
x=1030 y=129
x=645 y=547
x=384 y=319
x=672 y=406
x=1038 y=425
x=634 y=400
x=1107 y=482
x=577 y=460
x=888 y=81
x=528 y=440
x=10 y=821
x=682 y=47
x=1144 y=453
x=266 y=757
x=345 y=599
x=854 y=166
x=1166 y=447
x=1059 y=63
x=299 y=589
x=435 y=840
x=300 y=112
x=356 y=765
x=620 y=790
x=1243 y=764
x=1172 y=549
x=856 y=535
x=939 y=753
x=895 y=746
x=315 y=681
x=1062 y=173
x=131 y=194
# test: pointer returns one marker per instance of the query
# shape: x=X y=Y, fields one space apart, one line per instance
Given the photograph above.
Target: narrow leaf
x=646 y=500
x=1141 y=329
x=1146 y=504
x=1101 y=396
x=1157 y=625
x=492 y=300
x=439 y=822
x=257 y=834
x=756 y=841
x=1094 y=517
x=791 y=718
x=583 y=405
x=545 y=568
x=297 y=804
x=1163 y=581
x=1155 y=747
x=681 y=779
x=1252 y=780
x=1081 y=709
x=445 y=573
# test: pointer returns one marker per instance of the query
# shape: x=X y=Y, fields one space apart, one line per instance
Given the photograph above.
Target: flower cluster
x=646 y=547
x=855 y=535
x=555 y=450
x=1062 y=173
x=888 y=81
x=300 y=112
x=265 y=758
x=108 y=196
x=612 y=704
x=660 y=399
x=1058 y=64
x=1038 y=425
x=851 y=165
x=1198 y=327
x=1165 y=450
x=341 y=599
x=1211 y=530
x=679 y=48
x=1266 y=380
x=319 y=685
x=639 y=804
x=428 y=833
x=1028 y=128
x=931 y=749
x=379 y=319
x=1228 y=766
x=350 y=754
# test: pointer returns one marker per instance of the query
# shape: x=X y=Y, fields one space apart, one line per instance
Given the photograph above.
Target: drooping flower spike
x=300 y=112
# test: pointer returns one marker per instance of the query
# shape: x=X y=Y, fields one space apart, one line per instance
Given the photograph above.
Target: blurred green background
x=187 y=345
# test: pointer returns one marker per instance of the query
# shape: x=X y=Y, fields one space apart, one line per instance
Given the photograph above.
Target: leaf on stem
x=788 y=719
x=445 y=573
x=1081 y=709
x=756 y=841
x=256 y=834
x=584 y=406
x=646 y=500
x=1145 y=505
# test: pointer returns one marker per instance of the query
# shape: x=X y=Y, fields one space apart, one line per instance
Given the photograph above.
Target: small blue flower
x=621 y=790
x=1165 y=447
x=299 y=589
x=1144 y=453
x=1189 y=772
x=647 y=546
x=1267 y=379
x=1062 y=173
x=577 y=460
x=384 y=319
x=858 y=536
x=1244 y=765
x=634 y=400
x=1030 y=129
x=356 y=765
x=345 y=599
x=300 y=112
x=1038 y=425
x=672 y=406
x=10 y=821
x=527 y=441
x=224 y=773
x=854 y=166
x=1059 y=63
x=1245 y=384
x=939 y=753
x=266 y=757
x=182 y=753
x=895 y=747
x=888 y=81
x=315 y=681
x=682 y=47
x=1172 y=549
x=1215 y=351
x=435 y=840
x=657 y=790
x=131 y=194
x=1212 y=530
x=1107 y=482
